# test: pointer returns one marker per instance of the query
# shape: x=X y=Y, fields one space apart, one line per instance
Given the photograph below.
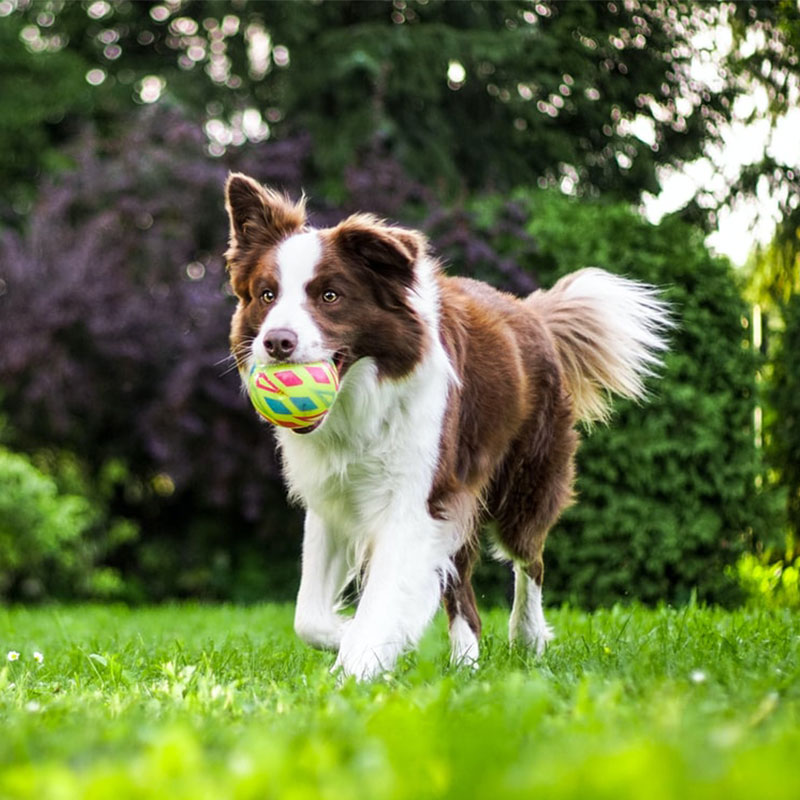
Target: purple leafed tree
x=114 y=315
x=115 y=312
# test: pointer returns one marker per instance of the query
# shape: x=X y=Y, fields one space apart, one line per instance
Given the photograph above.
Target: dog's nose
x=280 y=342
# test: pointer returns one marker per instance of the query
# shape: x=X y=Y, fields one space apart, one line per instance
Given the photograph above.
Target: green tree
x=783 y=432
x=595 y=96
x=765 y=58
x=774 y=279
x=40 y=94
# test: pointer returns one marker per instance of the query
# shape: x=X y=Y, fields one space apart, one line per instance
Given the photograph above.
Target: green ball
x=295 y=396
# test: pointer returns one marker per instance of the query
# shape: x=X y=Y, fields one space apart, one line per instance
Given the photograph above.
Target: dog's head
x=343 y=293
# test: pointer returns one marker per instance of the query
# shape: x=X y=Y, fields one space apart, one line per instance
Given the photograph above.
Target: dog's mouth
x=309 y=429
x=340 y=359
x=341 y=362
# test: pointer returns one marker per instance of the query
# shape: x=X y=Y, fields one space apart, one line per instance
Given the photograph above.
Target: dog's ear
x=259 y=216
x=389 y=251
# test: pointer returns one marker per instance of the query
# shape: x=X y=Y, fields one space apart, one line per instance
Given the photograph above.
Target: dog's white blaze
x=464 y=648
x=527 y=624
x=297 y=259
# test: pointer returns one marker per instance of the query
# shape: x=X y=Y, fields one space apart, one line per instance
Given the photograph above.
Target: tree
x=765 y=59
x=39 y=96
x=593 y=96
x=768 y=55
x=783 y=396
x=112 y=307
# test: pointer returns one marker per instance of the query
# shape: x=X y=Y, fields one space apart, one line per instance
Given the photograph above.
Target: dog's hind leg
x=462 y=610
x=527 y=625
x=522 y=536
x=533 y=488
x=522 y=539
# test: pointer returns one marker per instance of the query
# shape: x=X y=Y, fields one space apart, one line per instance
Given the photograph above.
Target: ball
x=295 y=396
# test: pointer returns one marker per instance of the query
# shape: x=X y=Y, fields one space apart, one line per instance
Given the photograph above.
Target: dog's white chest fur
x=376 y=453
x=365 y=477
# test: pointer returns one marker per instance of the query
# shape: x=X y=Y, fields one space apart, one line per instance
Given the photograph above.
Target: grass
x=196 y=702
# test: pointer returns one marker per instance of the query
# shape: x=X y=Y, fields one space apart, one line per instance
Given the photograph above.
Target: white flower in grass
x=697 y=676
x=13 y=655
x=38 y=657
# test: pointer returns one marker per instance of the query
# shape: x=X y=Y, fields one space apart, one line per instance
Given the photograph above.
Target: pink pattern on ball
x=288 y=378
x=318 y=374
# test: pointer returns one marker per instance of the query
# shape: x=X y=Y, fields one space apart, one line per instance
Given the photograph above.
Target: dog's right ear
x=259 y=217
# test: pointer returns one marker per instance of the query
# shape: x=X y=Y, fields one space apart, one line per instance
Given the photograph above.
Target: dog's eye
x=329 y=296
x=267 y=296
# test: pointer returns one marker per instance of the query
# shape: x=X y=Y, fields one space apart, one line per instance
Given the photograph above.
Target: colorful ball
x=293 y=396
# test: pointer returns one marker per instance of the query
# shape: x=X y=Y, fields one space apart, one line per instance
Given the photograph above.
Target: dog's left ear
x=259 y=216
x=389 y=251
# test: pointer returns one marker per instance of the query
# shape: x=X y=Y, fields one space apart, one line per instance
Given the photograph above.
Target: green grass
x=198 y=702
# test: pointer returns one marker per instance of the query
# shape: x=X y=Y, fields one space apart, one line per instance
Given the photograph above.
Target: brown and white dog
x=458 y=403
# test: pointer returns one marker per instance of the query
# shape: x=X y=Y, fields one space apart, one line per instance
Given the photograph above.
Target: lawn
x=195 y=702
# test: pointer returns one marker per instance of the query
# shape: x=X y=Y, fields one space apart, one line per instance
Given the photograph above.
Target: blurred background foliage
x=518 y=135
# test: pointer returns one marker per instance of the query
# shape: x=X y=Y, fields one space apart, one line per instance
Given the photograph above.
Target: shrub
x=774 y=583
x=114 y=323
x=783 y=429
x=114 y=316
x=46 y=543
x=667 y=492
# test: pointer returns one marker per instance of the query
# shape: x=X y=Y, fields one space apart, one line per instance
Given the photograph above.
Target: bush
x=46 y=541
x=114 y=322
x=774 y=583
x=666 y=492
x=783 y=428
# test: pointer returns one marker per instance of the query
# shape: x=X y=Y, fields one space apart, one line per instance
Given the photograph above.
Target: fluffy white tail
x=610 y=333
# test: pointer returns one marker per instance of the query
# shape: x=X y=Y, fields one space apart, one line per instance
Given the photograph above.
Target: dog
x=458 y=403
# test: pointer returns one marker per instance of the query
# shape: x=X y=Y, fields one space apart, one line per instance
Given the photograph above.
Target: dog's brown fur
x=525 y=369
x=508 y=437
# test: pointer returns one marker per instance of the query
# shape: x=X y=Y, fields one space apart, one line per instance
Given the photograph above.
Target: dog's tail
x=610 y=333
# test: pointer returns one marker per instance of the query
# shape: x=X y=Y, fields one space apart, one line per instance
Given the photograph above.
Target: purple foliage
x=114 y=309
x=379 y=184
x=115 y=315
x=493 y=254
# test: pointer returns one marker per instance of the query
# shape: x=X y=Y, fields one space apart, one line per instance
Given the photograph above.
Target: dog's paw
x=532 y=637
x=322 y=633
x=362 y=657
x=362 y=667
x=464 y=648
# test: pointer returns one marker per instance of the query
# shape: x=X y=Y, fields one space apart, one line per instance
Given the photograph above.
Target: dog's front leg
x=322 y=581
x=400 y=596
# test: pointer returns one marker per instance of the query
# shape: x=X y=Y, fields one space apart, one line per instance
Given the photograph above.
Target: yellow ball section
x=295 y=396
